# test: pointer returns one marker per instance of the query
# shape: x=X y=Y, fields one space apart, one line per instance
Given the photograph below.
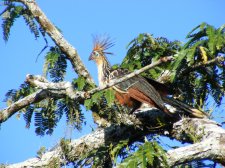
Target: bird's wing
x=141 y=90
x=163 y=89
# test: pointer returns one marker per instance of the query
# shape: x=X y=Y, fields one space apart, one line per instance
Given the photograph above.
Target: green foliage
x=14 y=95
x=144 y=49
x=55 y=64
x=11 y=13
x=94 y=100
x=72 y=109
x=116 y=150
x=48 y=112
x=29 y=19
x=41 y=151
x=81 y=84
x=45 y=119
x=28 y=115
x=192 y=85
x=197 y=84
x=150 y=154
x=109 y=95
x=105 y=97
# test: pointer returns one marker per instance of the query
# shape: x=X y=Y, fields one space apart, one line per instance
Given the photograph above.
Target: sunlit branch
x=209 y=138
x=14 y=107
x=209 y=142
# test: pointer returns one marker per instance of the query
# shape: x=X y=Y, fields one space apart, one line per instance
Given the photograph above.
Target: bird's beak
x=91 y=57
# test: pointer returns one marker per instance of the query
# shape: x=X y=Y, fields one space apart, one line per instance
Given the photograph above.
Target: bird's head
x=99 y=50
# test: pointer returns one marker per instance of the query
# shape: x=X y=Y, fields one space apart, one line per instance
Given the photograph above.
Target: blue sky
x=79 y=20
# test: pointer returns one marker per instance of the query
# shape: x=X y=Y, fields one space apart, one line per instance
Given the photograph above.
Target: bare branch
x=58 y=38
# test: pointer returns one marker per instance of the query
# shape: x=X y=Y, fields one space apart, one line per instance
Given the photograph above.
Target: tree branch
x=210 y=142
x=79 y=147
x=200 y=65
x=58 y=38
x=13 y=108
x=63 y=89
x=210 y=138
x=132 y=74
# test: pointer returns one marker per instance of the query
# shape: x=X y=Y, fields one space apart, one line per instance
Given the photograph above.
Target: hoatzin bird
x=136 y=92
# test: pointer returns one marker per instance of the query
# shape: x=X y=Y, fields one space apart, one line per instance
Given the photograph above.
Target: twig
x=208 y=63
x=132 y=74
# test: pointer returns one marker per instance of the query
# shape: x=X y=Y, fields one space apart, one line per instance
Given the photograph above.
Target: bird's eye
x=96 y=53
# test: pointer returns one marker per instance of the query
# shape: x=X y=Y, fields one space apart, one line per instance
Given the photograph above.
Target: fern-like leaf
x=28 y=115
x=14 y=13
x=55 y=64
x=150 y=154
x=29 y=19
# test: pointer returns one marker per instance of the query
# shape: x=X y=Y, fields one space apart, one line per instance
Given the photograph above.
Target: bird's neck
x=103 y=71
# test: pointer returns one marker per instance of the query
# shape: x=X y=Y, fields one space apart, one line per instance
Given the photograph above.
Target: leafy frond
x=144 y=49
x=55 y=64
x=150 y=154
x=45 y=118
x=11 y=13
x=28 y=115
x=73 y=112
x=38 y=119
x=29 y=19
x=14 y=95
x=206 y=43
x=14 y=11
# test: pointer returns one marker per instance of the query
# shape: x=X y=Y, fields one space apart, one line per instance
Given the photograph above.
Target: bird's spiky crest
x=102 y=43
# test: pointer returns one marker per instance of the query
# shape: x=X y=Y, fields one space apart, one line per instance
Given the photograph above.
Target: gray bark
x=209 y=144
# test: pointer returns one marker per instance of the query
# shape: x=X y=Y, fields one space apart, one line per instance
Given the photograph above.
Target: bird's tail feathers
x=182 y=108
